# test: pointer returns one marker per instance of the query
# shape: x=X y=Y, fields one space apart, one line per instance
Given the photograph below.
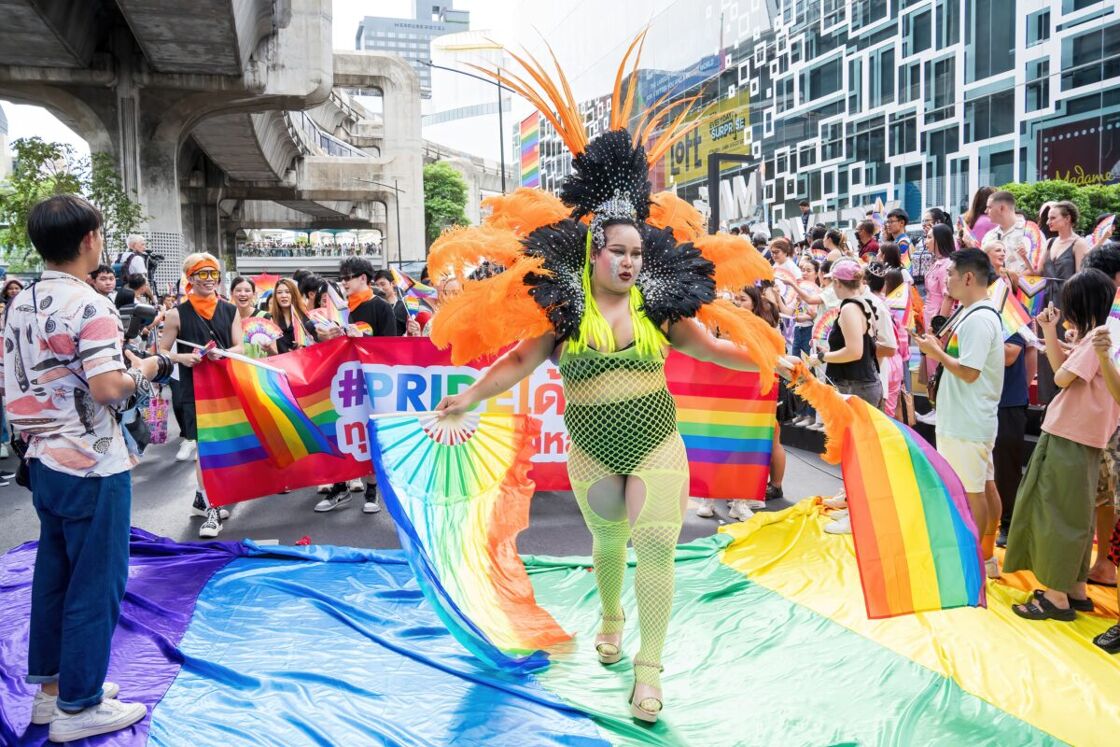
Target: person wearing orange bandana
x=202 y=317
x=356 y=274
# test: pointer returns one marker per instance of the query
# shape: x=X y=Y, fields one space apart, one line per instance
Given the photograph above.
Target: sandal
x=609 y=651
x=1081 y=605
x=1109 y=640
x=1041 y=608
x=647 y=709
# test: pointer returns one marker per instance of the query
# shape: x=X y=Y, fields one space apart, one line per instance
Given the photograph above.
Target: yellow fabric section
x=1048 y=674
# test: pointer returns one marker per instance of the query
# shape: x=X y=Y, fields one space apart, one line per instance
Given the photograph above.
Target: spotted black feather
x=608 y=168
x=675 y=279
x=560 y=293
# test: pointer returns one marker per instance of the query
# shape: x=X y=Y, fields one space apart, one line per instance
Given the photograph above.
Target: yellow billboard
x=726 y=128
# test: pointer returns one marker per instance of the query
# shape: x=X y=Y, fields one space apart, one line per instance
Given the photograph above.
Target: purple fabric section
x=164 y=580
x=713 y=456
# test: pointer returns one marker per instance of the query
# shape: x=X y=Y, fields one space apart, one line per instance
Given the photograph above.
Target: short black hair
x=311 y=283
x=242 y=279
x=818 y=233
x=383 y=275
x=1105 y=258
x=1003 y=196
x=57 y=225
x=356 y=266
x=136 y=281
x=297 y=276
x=976 y=262
x=900 y=214
x=866 y=227
x=1087 y=299
x=102 y=270
x=804 y=203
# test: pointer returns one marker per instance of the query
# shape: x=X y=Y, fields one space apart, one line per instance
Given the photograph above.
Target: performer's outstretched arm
x=689 y=337
x=511 y=368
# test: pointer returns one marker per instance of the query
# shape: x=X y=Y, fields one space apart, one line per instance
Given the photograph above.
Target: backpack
x=123 y=261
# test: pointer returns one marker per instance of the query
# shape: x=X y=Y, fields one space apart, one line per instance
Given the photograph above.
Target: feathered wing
x=835 y=413
x=524 y=211
x=675 y=280
x=461 y=249
x=737 y=262
x=669 y=211
x=762 y=342
x=558 y=289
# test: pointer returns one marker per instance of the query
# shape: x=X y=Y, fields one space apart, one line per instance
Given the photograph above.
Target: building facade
x=411 y=38
x=844 y=102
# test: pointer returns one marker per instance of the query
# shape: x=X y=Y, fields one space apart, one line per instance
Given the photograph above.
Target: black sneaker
x=6 y=474
x=774 y=493
x=372 y=505
x=339 y=497
x=198 y=508
x=212 y=526
x=1109 y=640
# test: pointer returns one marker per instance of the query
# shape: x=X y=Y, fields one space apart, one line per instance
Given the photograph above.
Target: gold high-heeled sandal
x=607 y=651
x=648 y=709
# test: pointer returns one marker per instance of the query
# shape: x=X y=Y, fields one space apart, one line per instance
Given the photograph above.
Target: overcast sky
x=28 y=121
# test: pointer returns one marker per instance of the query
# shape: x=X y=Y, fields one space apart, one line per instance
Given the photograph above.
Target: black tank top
x=864 y=369
x=193 y=328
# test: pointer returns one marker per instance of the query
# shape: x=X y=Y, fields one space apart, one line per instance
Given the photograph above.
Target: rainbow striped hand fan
x=1103 y=231
x=260 y=331
x=1034 y=242
x=1014 y=316
x=823 y=326
x=916 y=544
x=458 y=491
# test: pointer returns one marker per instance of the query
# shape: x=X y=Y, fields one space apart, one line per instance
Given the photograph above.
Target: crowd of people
x=941 y=334
x=291 y=249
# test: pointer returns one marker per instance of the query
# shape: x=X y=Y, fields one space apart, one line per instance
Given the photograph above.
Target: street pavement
x=162 y=491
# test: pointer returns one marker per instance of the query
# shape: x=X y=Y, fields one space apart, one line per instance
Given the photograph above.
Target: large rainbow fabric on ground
x=916 y=544
x=769 y=643
x=458 y=491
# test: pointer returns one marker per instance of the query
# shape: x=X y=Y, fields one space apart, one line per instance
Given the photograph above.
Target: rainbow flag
x=265 y=284
x=1034 y=242
x=1114 y=312
x=900 y=302
x=284 y=430
x=299 y=332
x=458 y=492
x=1016 y=320
x=1032 y=293
x=422 y=295
x=916 y=544
x=530 y=151
x=904 y=250
x=727 y=425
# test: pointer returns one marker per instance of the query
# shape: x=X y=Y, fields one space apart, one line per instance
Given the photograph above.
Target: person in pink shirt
x=1052 y=528
x=977 y=218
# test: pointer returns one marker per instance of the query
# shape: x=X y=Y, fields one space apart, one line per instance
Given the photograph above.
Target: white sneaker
x=753 y=504
x=705 y=510
x=212 y=526
x=356 y=485
x=371 y=506
x=838 y=515
x=744 y=512
x=733 y=509
x=929 y=418
x=186 y=451
x=42 y=709
x=331 y=502
x=991 y=567
x=107 y=716
x=840 y=526
x=4 y=453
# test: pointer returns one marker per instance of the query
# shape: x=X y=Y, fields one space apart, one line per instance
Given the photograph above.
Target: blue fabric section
x=289 y=652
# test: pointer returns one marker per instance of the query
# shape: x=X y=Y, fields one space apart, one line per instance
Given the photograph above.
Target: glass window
x=989 y=38
x=832 y=142
x=940 y=89
x=904 y=133
x=1037 y=91
x=855 y=85
x=867 y=12
x=833 y=11
x=1069 y=6
x=910 y=82
x=989 y=116
x=948 y=23
x=821 y=81
x=1038 y=27
x=916 y=33
x=1091 y=57
x=1001 y=167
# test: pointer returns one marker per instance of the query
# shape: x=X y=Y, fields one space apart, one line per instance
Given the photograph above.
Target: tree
x=445 y=200
x=42 y=169
x=1091 y=200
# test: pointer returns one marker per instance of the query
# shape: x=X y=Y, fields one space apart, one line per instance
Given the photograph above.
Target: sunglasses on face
x=344 y=278
x=207 y=274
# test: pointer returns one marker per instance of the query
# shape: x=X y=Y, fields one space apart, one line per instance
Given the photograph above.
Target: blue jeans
x=80 y=572
x=802 y=338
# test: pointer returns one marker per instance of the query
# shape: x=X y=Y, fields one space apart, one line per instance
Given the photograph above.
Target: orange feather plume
x=737 y=262
x=671 y=211
x=490 y=314
x=762 y=342
x=618 y=122
x=834 y=411
x=460 y=249
x=525 y=210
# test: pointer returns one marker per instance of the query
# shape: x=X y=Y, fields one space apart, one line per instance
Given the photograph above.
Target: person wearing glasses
x=202 y=317
x=894 y=230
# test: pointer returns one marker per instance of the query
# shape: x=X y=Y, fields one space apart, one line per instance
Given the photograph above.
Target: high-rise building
x=411 y=37
x=5 y=156
x=842 y=102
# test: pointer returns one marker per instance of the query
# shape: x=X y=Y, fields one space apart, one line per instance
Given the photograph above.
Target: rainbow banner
x=281 y=428
x=1012 y=313
x=531 y=151
x=265 y=284
x=725 y=421
x=916 y=544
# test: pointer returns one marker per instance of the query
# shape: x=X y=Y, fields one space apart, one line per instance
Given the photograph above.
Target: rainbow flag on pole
x=1016 y=320
x=285 y=431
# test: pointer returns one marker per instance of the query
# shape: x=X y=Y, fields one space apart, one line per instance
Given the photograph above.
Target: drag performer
x=606 y=298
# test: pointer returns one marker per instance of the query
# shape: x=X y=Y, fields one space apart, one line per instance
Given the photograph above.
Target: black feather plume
x=675 y=279
x=560 y=293
x=610 y=166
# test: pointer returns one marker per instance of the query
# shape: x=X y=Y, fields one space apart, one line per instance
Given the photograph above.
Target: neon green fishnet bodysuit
x=623 y=424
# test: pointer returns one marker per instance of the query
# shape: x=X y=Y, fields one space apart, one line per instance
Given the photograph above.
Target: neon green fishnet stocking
x=608 y=553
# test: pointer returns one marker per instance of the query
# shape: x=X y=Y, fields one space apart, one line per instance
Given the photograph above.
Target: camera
x=136 y=316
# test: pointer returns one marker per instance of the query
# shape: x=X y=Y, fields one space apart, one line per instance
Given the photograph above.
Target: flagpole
x=238 y=357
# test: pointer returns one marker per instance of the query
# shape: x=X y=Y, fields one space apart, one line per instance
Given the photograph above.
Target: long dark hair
x=239 y=280
x=979 y=205
x=1087 y=299
x=762 y=307
x=943 y=239
x=892 y=257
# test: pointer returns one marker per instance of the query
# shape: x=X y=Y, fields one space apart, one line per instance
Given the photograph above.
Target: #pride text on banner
x=726 y=423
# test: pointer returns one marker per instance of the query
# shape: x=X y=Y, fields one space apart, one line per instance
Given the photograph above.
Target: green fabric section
x=226 y=432
x=726 y=431
x=745 y=666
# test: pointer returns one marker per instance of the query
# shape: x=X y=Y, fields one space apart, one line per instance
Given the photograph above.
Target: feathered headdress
x=545 y=243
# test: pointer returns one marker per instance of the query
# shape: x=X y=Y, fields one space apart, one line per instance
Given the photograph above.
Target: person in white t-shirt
x=782 y=252
x=969 y=390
